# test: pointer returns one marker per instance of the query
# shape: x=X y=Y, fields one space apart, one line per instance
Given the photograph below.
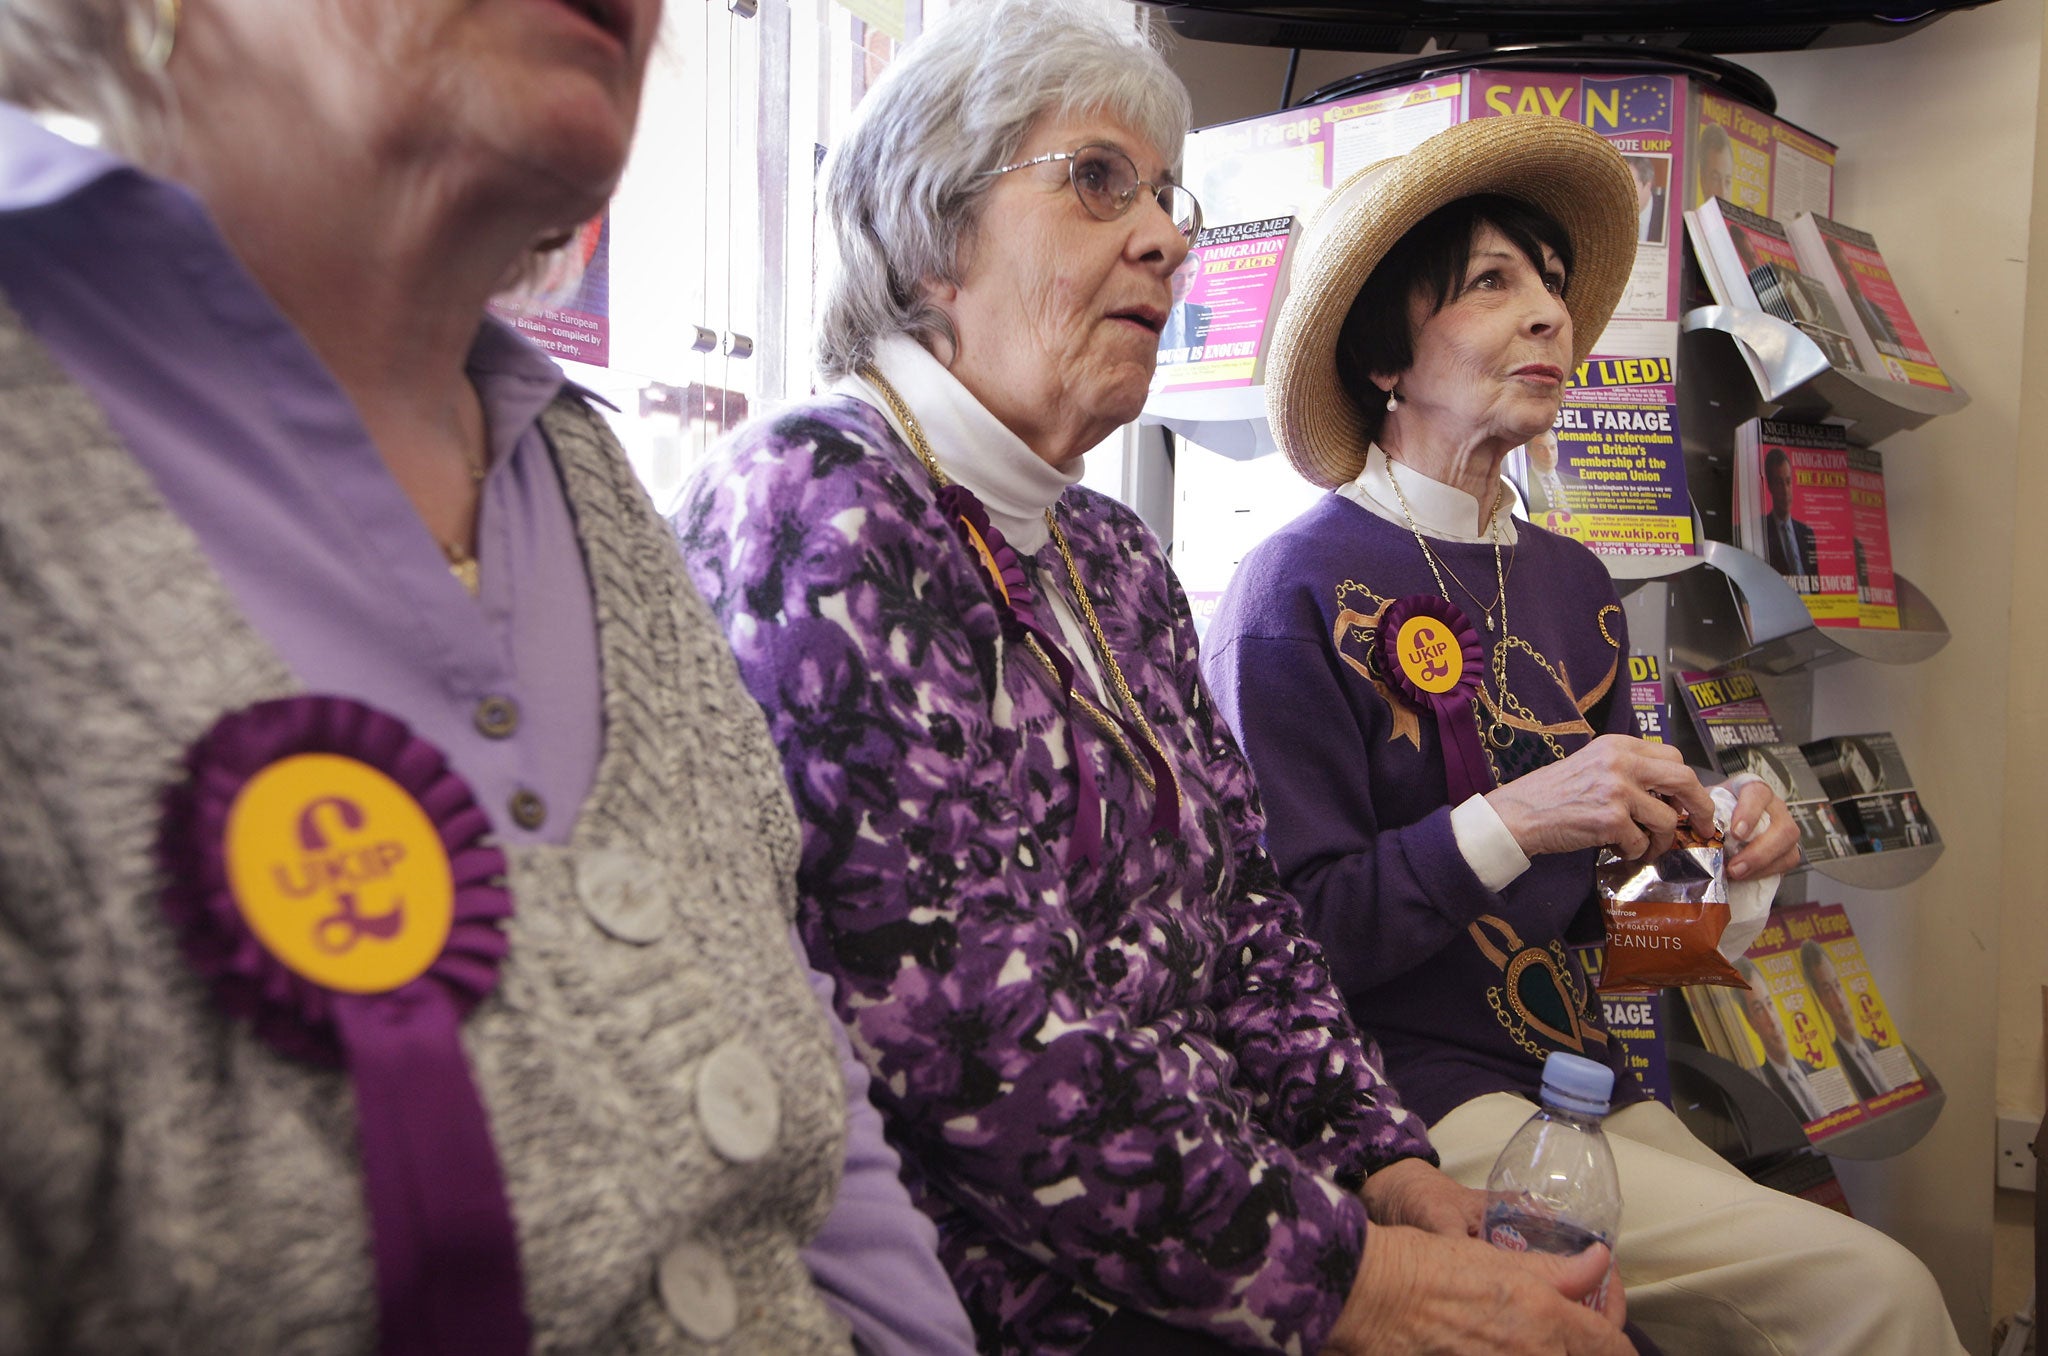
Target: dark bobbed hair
x=1429 y=262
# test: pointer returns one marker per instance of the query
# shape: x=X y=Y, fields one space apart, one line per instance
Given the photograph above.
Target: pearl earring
x=1393 y=402
x=151 y=38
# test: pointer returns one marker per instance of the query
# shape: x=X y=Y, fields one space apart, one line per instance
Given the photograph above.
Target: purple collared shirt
x=258 y=449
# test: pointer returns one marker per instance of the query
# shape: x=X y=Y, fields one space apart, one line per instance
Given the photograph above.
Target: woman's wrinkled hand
x=1414 y=1193
x=1618 y=792
x=1763 y=834
x=1421 y=1294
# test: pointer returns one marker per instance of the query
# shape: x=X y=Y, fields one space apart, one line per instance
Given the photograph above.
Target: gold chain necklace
x=1498 y=734
x=462 y=563
x=1103 y=721
x=1116 y=673
x=1500 y=573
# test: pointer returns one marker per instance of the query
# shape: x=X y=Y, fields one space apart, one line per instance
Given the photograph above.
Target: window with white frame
x=712 y=238
x=713 y=244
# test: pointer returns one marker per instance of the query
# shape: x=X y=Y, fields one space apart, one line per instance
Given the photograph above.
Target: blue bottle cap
x=1574 y=1083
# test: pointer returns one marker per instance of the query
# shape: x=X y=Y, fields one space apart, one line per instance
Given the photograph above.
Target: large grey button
x=737 y=1103
x=497 y=717
x=529 y=811
x=698 y=1293
x=623 y=895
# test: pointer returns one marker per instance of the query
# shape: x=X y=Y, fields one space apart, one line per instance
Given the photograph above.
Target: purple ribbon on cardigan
x=1432 y=657
x=1015 y=605
x=328 y=876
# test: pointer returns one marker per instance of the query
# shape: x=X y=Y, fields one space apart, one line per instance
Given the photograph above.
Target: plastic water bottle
x=1554 y=1187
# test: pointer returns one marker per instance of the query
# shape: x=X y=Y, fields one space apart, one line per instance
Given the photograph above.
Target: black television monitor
x=1686 y=25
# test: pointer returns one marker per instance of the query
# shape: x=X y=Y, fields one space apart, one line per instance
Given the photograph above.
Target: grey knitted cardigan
x=167 y=1182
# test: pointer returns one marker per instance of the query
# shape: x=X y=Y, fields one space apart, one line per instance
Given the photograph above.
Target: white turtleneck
x=981 y=454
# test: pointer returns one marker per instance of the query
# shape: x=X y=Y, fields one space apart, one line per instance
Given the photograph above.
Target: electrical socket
x=2016 y=1153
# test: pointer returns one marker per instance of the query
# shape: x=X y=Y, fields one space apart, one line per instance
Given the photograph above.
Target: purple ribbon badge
x=1432 y=658
x=328 y=876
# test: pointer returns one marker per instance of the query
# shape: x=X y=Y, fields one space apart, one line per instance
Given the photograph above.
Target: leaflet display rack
x=1727 y=606
x=1711 y=604
x=1719 y=392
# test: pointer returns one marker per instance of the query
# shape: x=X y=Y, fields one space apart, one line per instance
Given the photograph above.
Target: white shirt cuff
x=1489 y=849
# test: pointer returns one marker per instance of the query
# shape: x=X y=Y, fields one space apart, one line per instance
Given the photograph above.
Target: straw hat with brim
x=1562 y=167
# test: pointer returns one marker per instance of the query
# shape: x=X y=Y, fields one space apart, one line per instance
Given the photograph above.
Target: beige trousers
x=1716 y=1265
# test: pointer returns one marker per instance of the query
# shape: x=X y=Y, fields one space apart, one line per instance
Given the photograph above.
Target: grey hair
x=902 y=190
x=82 y=58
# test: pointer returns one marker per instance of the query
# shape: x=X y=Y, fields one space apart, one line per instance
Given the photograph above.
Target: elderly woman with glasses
x=1117 y=1071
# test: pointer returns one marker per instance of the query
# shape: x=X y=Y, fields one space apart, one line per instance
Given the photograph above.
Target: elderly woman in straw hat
x=1430 y=694
x=395 y=882
x=1119 y=1076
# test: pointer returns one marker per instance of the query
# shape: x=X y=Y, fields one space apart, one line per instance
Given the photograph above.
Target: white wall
x=2023 y=933
x=1938 y=149
x=1937 y=136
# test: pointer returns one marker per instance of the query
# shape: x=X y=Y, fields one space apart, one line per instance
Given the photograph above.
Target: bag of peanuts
x=1665 y=916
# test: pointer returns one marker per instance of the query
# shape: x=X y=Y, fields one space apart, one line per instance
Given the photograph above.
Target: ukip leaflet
x=1787 y=1031
x=1646 y=693
x=1616 y=478
x=1217 y=334
x=1637 y=1021
x=578 y=327
x=1727 y=708
x=1864 y=1035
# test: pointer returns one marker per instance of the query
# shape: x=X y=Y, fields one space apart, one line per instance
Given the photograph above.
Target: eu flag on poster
x=1634 y=103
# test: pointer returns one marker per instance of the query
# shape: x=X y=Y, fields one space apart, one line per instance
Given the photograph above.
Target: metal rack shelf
x=1737 y=608
x=1881 y=870
x=1744 y=1114
x=1784 y=374
x=1229 y=420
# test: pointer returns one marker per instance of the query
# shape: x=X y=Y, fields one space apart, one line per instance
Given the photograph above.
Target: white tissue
x=1749 y=901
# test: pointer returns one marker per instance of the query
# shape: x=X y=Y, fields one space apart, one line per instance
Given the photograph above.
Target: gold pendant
x=463 y=566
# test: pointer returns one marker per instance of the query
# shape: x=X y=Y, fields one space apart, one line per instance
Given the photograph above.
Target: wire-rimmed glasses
x=1107 y=183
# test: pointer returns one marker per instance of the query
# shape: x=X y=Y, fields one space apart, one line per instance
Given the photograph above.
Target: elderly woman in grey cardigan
x=1117 y=1070
x=395 y=883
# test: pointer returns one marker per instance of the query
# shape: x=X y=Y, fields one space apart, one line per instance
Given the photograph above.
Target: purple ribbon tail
x=1166 y=791
x=1465 y=771
x=446 y=1249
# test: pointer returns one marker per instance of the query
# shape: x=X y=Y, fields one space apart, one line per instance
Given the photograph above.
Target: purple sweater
x=1130 y=1084
x=1466 y=990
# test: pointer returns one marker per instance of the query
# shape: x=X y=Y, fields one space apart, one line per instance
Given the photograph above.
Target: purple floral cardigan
x=1121 y=1084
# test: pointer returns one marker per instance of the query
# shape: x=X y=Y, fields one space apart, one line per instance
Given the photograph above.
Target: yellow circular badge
x=339 y=873
x=1429 y=654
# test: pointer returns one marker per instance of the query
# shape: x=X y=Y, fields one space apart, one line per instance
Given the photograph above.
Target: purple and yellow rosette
x=1432 y=658
x=329 y=877
x=1016 y=605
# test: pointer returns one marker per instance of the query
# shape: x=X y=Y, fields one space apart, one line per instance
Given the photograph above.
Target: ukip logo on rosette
x=339 y=873
x=1431 y=657
x=1428 y=655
